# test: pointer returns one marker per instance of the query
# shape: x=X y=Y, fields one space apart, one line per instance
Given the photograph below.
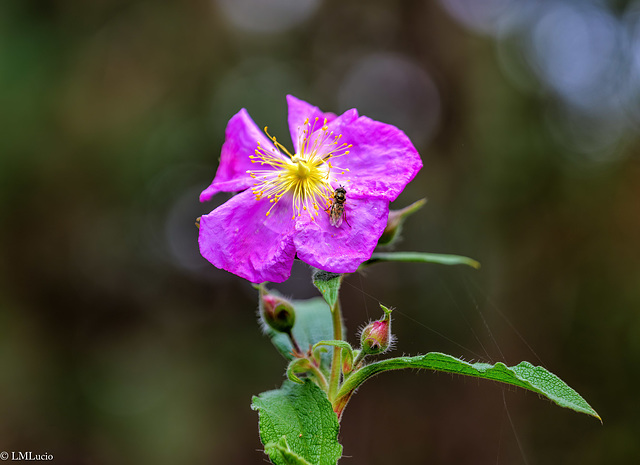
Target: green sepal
x=303 y=414
x=524 y=375
x=282 y=447
x=299 y=365
x=328 y=284
x=347 y=350
x=420 y=257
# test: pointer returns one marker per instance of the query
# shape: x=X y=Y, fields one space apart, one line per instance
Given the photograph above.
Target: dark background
x=119 y=344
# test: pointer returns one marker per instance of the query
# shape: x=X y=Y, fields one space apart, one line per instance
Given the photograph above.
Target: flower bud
x=376 y=337
x=277 y=312
x=395 y=221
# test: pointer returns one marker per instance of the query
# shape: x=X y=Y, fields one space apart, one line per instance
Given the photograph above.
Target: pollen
x=305 y=178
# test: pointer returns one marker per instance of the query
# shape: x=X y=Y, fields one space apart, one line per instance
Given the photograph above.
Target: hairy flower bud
x=395 y=221
x=376 y=337
x=277 y=312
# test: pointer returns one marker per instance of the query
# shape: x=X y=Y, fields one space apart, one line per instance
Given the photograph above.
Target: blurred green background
x=119 y=344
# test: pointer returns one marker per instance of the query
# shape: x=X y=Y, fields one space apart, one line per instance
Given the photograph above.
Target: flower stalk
x=336 y=361
x=361 y=355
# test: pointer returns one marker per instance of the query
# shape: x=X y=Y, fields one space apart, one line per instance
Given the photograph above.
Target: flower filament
x=305 y=177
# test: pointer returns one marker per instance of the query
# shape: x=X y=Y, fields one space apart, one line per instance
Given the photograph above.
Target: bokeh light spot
x=395 y=90
x=267 y=17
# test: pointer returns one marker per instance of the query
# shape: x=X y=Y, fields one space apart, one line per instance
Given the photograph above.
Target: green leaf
x=282 y=447
x=524 y=375
x=442 y=259
x=302 y=414
x=313 y=324
x=328 y=284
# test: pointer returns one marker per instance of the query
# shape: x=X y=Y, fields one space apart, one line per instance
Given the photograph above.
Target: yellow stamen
x=305 y=177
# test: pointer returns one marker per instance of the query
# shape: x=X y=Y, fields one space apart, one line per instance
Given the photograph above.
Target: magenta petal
x=299 y=111
x=381 y=161
x=378 y=161
x=239 y=238
x=233 y=185
x=241 y=139
x=342 y=249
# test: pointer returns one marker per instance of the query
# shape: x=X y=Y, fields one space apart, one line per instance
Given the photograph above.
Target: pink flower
x=284 y=205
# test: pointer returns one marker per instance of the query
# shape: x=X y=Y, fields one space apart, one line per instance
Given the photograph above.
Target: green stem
x=361 y=355
x=322 y=381
x=336 y=362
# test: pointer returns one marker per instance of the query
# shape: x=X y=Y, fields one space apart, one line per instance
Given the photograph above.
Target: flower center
x=305 y=177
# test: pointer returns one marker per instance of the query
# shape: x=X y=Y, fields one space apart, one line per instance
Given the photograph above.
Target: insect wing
x=336 y=214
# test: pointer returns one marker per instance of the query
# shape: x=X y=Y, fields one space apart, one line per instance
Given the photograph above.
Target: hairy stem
x=336 y=362
x=322 y=381
x=340 y=403
x=358 y=359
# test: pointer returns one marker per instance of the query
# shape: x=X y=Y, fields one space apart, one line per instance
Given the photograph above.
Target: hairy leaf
x=524 y=375
x=302 y=414
x=282 y=448
x=328 y=284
